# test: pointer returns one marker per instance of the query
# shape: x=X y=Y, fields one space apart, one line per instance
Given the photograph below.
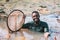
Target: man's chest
x=38 y=28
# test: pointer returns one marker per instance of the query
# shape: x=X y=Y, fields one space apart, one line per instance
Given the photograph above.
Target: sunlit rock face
x=27 y=6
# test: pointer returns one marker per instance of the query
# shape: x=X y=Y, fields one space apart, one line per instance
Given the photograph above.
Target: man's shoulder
x=43 y=23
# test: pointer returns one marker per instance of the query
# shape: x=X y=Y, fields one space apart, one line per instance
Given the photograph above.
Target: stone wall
x=27 y=6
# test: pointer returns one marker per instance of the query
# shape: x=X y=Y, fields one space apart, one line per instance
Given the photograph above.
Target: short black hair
x=36 y=12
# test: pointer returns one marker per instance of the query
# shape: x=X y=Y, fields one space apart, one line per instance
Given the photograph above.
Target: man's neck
x=37 y=22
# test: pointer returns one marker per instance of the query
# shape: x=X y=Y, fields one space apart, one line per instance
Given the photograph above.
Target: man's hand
x=22 y=21
x=7 y=36
x=24 y=16
x=46 y=35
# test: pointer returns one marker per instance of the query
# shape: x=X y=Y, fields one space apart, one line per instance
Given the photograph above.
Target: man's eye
x=33 y=16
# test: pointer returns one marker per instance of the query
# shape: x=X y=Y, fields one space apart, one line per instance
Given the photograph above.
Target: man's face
x=35 y=17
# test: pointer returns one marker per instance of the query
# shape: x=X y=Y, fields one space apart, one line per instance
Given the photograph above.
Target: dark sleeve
x=25 y=25
x=46 y=28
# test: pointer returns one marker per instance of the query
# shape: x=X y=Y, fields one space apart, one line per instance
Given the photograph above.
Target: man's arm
x=46 y=30
x=25 y=26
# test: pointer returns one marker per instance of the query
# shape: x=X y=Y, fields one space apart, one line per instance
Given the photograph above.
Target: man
x=37 y=25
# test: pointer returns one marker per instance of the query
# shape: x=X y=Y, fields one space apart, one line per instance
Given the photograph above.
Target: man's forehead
x=35 y=14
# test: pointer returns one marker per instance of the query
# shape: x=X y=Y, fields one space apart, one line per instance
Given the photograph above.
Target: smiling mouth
x=36 y=19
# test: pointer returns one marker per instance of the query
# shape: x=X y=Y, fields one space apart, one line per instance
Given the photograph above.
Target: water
x=54 y=28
